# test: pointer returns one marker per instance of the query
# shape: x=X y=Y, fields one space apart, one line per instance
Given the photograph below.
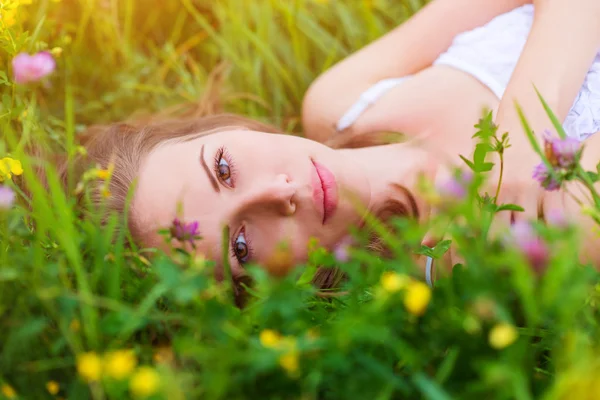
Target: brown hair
x=124 y=146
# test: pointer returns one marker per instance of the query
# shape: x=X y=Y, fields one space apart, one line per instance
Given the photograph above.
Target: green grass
x=68 y=287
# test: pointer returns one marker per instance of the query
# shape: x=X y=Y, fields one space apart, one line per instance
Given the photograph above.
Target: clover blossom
x=31 y=68
x=544 y=176
x=562 y=155
x=7 y=197
x=456 y=186
x=536 y=251
x=184 y=231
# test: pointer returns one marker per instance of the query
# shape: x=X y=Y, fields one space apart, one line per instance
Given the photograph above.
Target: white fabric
x=490 y=53
x=366 y=99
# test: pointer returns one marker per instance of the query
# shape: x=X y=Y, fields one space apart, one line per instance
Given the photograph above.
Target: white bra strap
x=366 y=99
x=428 y=270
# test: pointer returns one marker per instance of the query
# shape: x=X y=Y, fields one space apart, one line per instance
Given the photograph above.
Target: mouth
x=325 y=195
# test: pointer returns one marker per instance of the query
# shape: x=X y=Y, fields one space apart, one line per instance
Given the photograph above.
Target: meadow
x=85 y=314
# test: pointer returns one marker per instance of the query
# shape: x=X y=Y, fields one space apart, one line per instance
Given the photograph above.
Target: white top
x=490 y=53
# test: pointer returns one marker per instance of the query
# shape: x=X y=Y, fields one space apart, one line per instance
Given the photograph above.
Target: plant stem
x=501 y=153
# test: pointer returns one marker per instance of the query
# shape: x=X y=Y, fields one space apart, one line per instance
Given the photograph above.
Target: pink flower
x=543 y=175
x=185 y=231
x=341 y=250
x=530 y=244
x=556 y=217
x=31 y=68
x=7 y=197
x=456 y=186
x=562 y=153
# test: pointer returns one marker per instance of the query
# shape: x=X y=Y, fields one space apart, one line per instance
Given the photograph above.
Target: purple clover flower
x=562 y=153
x=185 y=231
x=31 y=68
x=543 y=175
x=456 y=186
x=342 y=250
x=556 y=217
x=7 y=197
x=524 y=237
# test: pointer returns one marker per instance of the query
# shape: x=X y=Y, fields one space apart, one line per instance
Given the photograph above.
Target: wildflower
x=184 y=231
x=120 y=364
x=531 y=245
x=393 y=282
x=562 y=153
x=341 y=250
x=456 y=186
x=10 y=167
x=8 y=391
x=7 y=197
x=145 y=382
x=544 y=176
x=52 y=387
x=56 y=51
x=89 y=366
x=31 y=68
x=417 y=297
x=557 y=218
x=289 y=362
x=270 y=338
x=502 y=335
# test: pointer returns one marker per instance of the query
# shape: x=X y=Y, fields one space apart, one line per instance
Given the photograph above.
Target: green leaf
x=557 y=124
x=429 y=388
x=510 y=207
x=441 y=248
x=469 y=163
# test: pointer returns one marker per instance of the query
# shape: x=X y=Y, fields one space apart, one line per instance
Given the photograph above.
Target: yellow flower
x=104 y=174
x=393 y=282
x=53 y=387
x=120 y=364
x=8 y=391
x=417 y=297
x=89 y=366
x=56 y=51
x=289 y=362
x=9 y=167
x=144 y=382
x=270 y=339
x=502 y=335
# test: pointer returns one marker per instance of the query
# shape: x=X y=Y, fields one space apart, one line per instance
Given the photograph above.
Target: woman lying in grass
x=198 y=176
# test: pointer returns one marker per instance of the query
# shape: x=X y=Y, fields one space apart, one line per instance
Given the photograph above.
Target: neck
x=394 y=172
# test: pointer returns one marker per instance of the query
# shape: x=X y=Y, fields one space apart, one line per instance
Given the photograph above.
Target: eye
x=241 y=248
x=224 y=167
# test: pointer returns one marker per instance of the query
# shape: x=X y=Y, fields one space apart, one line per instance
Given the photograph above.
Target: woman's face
x=268 y=189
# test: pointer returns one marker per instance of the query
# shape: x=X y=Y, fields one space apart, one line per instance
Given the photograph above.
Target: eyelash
x=222 y=153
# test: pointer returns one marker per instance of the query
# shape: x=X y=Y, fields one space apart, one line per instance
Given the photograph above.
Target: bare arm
x=561 y=47
x=416 y=43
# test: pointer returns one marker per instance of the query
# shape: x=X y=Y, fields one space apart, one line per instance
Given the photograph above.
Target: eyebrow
x=211 y=177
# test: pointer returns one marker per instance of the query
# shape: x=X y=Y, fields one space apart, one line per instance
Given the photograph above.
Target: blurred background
x=122 y=58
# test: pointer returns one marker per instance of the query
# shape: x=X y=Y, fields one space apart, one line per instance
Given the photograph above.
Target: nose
x=275 y=195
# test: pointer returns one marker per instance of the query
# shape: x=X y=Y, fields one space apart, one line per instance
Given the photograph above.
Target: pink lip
x=325 y=193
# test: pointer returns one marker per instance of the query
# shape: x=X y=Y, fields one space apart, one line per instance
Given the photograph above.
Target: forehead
x=170 y=174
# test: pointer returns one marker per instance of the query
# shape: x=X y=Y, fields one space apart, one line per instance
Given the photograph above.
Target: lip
x=325 y=193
